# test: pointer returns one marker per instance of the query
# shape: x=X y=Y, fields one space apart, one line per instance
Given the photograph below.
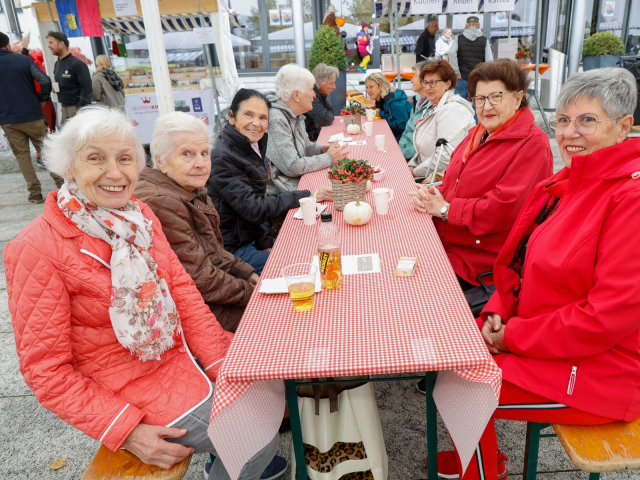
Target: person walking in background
x=426 y=45
x=108 y=88
x=468 y=50
x=364 y=47
x=322 y=113
x=330 y=19
x=444 y=44
x=21 y=114
x=71 y=75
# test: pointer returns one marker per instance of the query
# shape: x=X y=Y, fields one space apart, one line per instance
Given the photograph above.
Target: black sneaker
x=421 y=386
x=36 y=198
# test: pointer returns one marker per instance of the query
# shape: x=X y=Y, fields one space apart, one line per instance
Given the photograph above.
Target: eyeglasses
x=430 y=83
x=585 y=124
x=494 y=98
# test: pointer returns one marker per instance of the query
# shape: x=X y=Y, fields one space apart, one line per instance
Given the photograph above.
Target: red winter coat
x=487 y=192
x=59 y=286
x=580 y=298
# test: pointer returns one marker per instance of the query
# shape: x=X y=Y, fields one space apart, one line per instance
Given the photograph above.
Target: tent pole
x=298 y=32
x=397 y=24
x=210 y=65
x=537 y=60
x=157 y=55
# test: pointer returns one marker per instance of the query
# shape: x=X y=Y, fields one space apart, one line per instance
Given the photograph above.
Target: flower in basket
x=354 y=109
x=349 y=170
x=525 y=50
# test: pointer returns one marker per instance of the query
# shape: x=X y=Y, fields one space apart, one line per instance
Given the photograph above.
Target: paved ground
x=32 y=437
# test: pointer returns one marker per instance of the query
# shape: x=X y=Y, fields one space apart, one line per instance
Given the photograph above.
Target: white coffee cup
x=368 y=128
x=381 y=198
x=380 y=142
x=308 y=206
x=370 y=114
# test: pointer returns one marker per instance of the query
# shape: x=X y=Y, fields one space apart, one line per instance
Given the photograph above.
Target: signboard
x=125 y=7
x=274 y=17
x=205 y=35
x=464 y=6
x=142 y=109
x=499 y=5
x=426 y=7
x=286 y=16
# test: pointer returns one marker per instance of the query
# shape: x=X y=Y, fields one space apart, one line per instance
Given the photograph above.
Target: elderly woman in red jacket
x=108 y=325
x=564 y=322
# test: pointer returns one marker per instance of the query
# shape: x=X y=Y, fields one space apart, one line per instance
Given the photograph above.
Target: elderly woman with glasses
x=391 y=103
x=420 y=104
x=447 y=116
x=291 y=152
x=107 y=322
x=321 y=115
x=564 y=322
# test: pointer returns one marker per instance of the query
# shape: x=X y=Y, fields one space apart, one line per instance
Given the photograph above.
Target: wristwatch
x=444 y=211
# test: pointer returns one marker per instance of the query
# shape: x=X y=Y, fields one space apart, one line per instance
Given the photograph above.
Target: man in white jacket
x=468 y=50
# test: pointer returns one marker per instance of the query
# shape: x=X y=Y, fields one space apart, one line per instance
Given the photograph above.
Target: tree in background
x=327 y=48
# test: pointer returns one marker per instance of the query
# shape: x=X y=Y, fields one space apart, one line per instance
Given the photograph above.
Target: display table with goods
x=399 y=310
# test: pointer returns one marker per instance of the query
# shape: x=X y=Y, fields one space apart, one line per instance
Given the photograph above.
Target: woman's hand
x=428 y=200
x=324 y=194
x=338 y=152
x=253 y=278
x=148 y=443
x=493 y=334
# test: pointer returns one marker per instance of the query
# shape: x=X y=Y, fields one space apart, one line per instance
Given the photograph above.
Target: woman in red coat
x=108 y=324
x=564 y=322
x=490 y=174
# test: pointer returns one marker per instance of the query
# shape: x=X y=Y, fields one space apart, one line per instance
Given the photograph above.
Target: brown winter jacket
x=192 y=226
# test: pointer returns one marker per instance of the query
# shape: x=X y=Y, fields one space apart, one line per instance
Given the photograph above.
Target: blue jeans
x=254 y=257
x=461 y=88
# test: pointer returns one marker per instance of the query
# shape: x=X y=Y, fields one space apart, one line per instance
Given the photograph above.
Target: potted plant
x=524 y=53
x=353 y=114
x=601 y=50
x=349 y=181
x=327 y=48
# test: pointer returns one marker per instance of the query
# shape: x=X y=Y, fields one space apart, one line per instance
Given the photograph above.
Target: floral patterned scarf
x=142 y=312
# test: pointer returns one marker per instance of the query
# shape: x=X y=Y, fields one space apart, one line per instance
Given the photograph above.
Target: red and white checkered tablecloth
x=375 y=324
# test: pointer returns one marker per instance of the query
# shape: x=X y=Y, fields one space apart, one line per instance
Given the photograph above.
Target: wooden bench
x=107 y=465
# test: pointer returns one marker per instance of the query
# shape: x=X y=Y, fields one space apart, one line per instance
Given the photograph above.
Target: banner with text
x=462 y=6
x=499 y=5
x=426 y=7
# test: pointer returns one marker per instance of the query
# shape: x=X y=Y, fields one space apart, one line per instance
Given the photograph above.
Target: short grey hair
x=431 y=21
x=59 y=149
x=614 y=88
x=170 y=124
x=292 y=77
x=324 y=72
x=418 y=66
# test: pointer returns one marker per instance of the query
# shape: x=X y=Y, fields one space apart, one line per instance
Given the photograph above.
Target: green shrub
x=602 y=43
x=327 y=48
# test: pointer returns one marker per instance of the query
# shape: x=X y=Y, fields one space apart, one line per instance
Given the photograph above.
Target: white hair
x=59 y=149
x=292 y=77
x=614 y=88
x=163 y=138
x=324 y=72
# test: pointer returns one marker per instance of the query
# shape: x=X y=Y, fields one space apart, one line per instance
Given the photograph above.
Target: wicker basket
x=344 y=193
x=349 y=119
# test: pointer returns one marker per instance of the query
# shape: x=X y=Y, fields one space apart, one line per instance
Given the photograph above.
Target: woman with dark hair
x=239 y=177
x=490 y=174
x=447 y=116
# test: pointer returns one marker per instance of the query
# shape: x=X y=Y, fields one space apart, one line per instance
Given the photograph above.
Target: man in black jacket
x=21 y=114
x=322 y=113
x=72 y=76
x=426 y=45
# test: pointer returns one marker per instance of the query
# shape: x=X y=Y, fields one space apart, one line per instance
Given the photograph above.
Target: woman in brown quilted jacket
x=181 y=147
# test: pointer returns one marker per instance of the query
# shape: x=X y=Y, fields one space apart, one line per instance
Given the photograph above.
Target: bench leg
x=296 y=428
x=594 y=476
x=432 y=426
x=530 y=469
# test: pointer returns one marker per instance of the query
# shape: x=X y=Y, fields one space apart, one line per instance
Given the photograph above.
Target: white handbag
x=346 y=444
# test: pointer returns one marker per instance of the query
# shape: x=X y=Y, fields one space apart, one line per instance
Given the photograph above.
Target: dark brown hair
x=443 y=69
x=505 y=70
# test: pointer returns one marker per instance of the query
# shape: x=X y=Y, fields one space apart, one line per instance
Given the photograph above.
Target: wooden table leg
x=432 y=426
x=296 y=428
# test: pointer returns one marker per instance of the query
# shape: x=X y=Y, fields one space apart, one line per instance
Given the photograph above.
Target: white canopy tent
x=183 y=41
x=287 y=33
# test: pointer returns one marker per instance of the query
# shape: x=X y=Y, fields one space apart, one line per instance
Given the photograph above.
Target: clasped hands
x=493 y=334
x=428 y=200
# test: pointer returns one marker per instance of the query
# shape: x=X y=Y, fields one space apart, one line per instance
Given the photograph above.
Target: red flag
x=89 y=18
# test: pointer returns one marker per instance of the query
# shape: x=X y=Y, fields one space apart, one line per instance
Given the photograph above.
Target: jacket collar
x=54 y=217
x=168 y=185
x=618 y=161
x=518 y=129
x=232 y=135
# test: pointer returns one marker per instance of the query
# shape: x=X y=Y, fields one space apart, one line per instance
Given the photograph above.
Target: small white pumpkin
x=357 y=213
x=353 y=129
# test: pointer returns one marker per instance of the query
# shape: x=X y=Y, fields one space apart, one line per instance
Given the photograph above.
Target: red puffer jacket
x=575 y=333
x=487 y=192
x=59 y=286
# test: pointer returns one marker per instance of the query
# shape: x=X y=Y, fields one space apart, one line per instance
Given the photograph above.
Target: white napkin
x=279 y=285
x=319 y=209
x=336 y=138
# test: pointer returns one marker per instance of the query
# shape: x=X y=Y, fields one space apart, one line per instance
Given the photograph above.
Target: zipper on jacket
x=572 y=380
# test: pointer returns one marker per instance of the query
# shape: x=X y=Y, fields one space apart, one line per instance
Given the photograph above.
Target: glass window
x=632 y=43
x=247 y=46
x=610 y=16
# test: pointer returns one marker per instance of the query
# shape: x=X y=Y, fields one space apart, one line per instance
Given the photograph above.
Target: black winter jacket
x=238 y=186
x=320 y=116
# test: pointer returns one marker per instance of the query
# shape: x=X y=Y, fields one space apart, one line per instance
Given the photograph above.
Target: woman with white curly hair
x=107 y=322
x=291 y=152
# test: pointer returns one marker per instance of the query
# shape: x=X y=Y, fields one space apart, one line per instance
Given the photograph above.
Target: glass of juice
x=301 y=283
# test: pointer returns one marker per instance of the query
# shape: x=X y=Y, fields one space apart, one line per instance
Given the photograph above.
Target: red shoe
x=448 y=466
